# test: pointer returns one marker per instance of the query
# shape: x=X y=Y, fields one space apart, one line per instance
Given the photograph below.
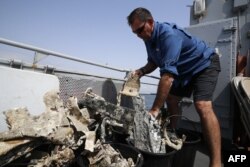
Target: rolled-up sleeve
x=170 y=51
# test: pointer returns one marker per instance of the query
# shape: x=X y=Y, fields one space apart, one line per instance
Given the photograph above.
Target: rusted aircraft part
x=131 y=86
x=81 y=122
x=155 y=136
x=17 y=117
x=55 y=125
x=85 y=113
x=148 y=136
x=63 y=135
x=105 y=155
x=65 y=127
x=8 y=145
x=146 y=133
x=99 y=106
x=79 y=126
x=72 y=105
x=13 y=149
x=90 y=140
x=173 y=142
x=107 y=121
x=89 y=92
x=53 y=101
x=42 y=126
x=60 y=156
x=146 y=130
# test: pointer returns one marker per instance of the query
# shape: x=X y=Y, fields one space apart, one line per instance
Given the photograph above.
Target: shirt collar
x=154 y=36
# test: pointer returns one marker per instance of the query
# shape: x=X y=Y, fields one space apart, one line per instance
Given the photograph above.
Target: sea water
x=149 y=99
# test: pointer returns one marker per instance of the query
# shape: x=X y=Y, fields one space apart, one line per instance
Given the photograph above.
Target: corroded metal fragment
x=13 y=149
x=60 y=156
x=99 y=106
x=105 y=155
x=131 y=86
x=66 y=128
x=56 y=125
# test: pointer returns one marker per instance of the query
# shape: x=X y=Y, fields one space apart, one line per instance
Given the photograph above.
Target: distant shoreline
x=147 y=93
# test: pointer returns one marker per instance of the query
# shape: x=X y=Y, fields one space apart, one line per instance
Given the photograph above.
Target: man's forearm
x=162 y=92
x=148 y=68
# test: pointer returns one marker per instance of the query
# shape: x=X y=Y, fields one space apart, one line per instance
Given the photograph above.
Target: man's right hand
x=138 y=73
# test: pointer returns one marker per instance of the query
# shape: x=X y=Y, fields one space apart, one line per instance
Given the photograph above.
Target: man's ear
x=151 y=22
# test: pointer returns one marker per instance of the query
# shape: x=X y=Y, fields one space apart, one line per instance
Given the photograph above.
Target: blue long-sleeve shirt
x=175 y=51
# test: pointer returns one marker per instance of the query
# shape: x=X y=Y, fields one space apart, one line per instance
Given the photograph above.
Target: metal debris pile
x=152 y=135
x=105 y=155
x=77 y=133
x=60 y=136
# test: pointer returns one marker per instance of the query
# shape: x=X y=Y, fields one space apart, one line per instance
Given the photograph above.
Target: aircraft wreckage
x=79 y=132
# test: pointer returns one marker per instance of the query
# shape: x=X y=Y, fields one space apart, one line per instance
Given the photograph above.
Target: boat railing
x=40 y=53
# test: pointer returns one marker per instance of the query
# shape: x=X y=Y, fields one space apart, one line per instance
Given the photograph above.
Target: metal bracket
x=38 y=56
x=16 y=64
x=224 y=40
x=49 y=69
x=229 y=29
x=199 y=8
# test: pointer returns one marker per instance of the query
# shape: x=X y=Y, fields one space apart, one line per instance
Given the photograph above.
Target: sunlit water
x=149 y=99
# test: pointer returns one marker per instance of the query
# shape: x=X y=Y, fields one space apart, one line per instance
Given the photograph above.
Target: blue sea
x=149 y=99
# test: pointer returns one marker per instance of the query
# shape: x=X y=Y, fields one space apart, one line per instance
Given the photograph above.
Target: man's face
x=142 y=29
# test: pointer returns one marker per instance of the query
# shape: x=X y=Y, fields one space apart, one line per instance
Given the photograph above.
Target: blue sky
x=92 y=30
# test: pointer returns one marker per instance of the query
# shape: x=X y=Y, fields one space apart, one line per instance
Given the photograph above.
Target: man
x=187 y=65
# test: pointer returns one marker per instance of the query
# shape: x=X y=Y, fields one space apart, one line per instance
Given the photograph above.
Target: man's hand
x=138 y=73
x=154 y=113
